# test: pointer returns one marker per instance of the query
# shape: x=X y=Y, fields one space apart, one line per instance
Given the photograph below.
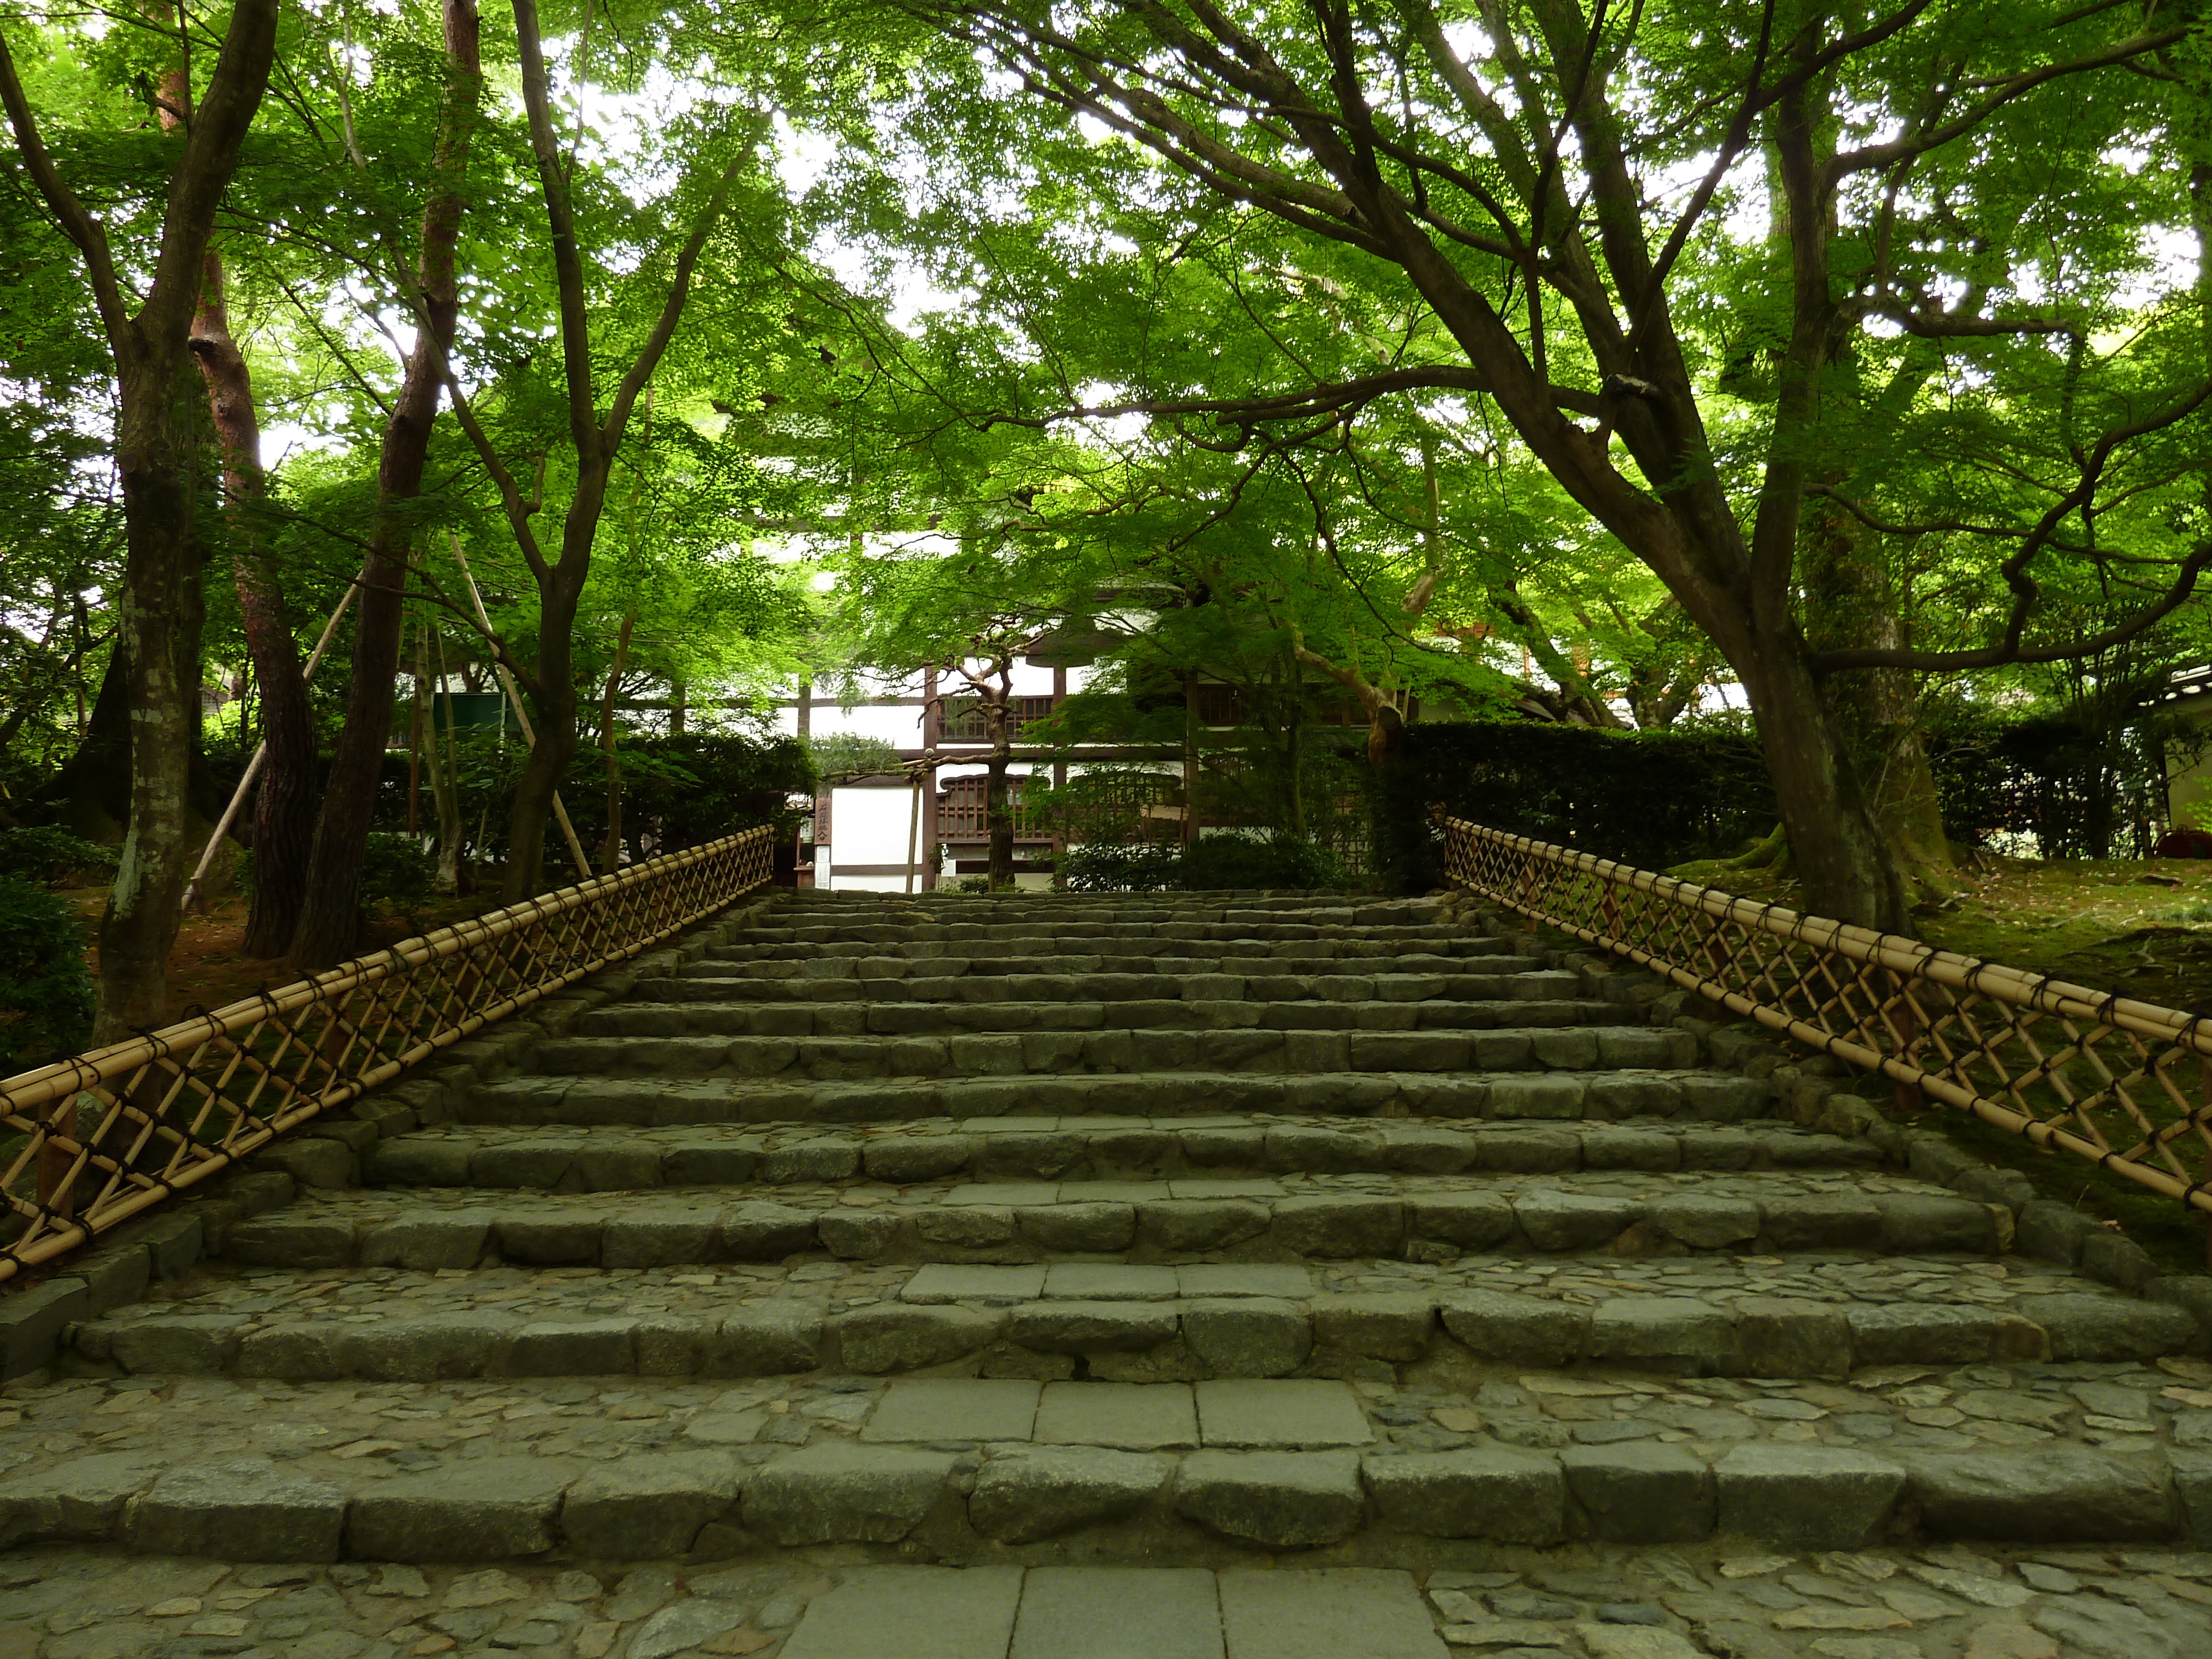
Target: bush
x=1121 y=867
x=395 y=867
x=48 y=854
x=45 y=991
x=1259 y=861
x=689 y=788
x=1650 y=798
x=1218 y=861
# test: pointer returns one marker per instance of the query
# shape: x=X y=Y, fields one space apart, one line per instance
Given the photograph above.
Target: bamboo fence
x=96 y=1139
x=2127 y=1085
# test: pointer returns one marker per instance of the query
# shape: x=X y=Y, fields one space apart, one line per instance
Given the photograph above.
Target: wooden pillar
x=933 y=724
x=805 y=705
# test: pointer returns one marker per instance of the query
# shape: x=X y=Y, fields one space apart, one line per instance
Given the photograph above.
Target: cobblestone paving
x=1950 y=1603
x=372 y=1430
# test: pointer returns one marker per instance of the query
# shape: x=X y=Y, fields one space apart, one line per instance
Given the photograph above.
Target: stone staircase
x=1057 y=1275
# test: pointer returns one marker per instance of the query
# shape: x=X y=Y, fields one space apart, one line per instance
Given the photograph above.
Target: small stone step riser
x=605 y=1164
x=807 y=963
x=1016 y=937
x=1022 y=1504
x=1057 y=941
x=1558 y=1097
x=1158 y=1341
x=1171 y=981
x=1122 y=1050
x=1057 y=1221
x=907 y=1019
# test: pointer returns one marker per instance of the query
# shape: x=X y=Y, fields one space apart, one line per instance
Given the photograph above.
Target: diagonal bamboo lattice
x=2125 y=1084
x=94 y=1140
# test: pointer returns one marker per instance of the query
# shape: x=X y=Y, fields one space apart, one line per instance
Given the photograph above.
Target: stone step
x=838 y=911
x=911 y=1017
x=1618 y=1601
x=1080 y=980
x=1815 y=1315
x=1120 y=1049
x=1554 y=1097
x=1078 y=1149
x=1419 y=1218
x=963 y=1471
x=1052 y=953
x=786 y=933
x=1047 y=939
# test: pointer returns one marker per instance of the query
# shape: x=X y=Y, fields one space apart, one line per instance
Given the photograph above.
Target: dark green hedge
x=2083 y=788
x=45 y=992
x=1651 y=798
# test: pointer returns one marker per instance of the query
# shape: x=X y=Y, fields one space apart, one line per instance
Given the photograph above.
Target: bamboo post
x=514 y=701
x=913 y=831
x=253 y=766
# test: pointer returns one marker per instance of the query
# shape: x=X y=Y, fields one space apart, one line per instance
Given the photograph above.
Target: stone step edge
x=1436 y=1227
x=1121 y=1051
x=1561 y=1098
x=589 y=1161
x=916 y=1017
x=952 y=1506
x=1154 y=1341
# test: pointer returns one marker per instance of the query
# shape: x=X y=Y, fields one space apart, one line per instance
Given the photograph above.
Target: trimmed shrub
x=45 y=991
x=1217 y=861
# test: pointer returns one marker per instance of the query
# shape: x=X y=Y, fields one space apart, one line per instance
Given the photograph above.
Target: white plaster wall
x=868 y=826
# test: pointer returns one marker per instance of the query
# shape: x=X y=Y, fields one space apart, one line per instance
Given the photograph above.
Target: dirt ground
x=208 y=969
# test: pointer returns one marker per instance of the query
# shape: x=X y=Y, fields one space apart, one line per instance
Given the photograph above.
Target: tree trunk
x=610 y=854
x=1850 y=604
x=998 y=816
x=1834 y=845
x=93 y=788
x=159 y=608
x=553 y=698
x=330 y=918
x=158 y=638
x=286 y=797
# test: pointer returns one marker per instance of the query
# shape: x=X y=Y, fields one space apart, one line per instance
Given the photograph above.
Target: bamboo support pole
x=253 y=766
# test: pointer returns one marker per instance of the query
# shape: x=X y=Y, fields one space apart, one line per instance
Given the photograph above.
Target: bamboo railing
x=108 y=1134
x=2127 y=1085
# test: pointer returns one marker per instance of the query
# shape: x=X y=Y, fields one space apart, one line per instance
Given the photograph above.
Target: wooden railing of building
x=104 y=1136
x=963 y=814
x=2126 y=1085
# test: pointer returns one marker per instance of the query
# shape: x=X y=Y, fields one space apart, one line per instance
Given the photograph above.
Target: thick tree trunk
x=1838 y=854
x=158 y=638
x=330 y=918
x=1876 y=712
x=92 y=790
x=286 y=798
